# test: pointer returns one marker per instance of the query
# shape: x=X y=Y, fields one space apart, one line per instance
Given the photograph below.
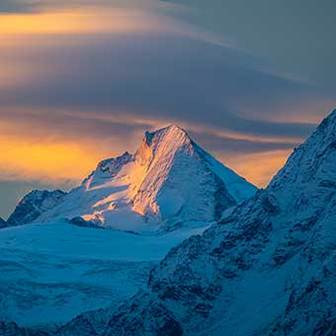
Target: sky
x=82 y=80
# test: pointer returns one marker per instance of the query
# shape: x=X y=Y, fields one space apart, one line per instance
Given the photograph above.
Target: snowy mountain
x=33 y=205
x=55 y=269
x=268 y=268
x=169 y=182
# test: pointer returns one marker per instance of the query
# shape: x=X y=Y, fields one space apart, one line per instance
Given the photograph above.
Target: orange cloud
x=29 y=160
x=36 y=151
x=258 y=168
x=81 y=21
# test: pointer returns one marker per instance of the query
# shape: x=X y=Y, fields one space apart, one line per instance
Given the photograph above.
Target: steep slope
x=266 y=269
x=168 y=182
x=33 y=205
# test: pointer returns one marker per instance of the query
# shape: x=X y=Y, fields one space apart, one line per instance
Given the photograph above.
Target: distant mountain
x=33 y=205
x=268 y=268
x=169 y=182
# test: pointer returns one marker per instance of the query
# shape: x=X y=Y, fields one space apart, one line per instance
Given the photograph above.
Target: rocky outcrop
x=33 y=205
x=3 y=223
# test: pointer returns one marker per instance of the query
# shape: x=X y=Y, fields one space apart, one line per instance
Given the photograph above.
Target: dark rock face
x=87 y=324
x=78 y=326
x=12 y=329
x=79 y=221
x=3 y=223
x=144 y=316
x=33 y=205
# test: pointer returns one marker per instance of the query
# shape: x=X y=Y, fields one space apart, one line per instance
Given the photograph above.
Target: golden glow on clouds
x=53 y=162
x=57 y=162
x=39 y=23
x=38 y=151
x=258 y=168
x=81 y=21
x=33 y=152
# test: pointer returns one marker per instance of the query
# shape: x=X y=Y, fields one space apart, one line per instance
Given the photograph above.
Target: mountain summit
x=169 y=180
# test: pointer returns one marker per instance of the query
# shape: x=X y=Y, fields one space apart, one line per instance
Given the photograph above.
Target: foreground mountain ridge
x=268 y=268
x=168 y=182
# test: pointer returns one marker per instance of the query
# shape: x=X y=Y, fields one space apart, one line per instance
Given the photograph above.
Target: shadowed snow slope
x=169 y=182
x=52 y=272
x=268 y=268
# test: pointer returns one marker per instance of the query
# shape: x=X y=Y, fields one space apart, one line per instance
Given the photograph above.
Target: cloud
x=229 y=145
x=37 y=6
x=257 y=167
x=17 y=6
x=157 y=76
x=295 y=36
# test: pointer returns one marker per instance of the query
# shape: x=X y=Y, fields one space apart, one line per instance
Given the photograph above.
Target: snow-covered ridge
x=169 y=181
x=268 y=268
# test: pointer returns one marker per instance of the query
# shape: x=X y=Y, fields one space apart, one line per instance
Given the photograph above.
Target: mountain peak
x=169 y=133
x=172 y=162
x=311 y=165
x=174 y=128
x=169 y=180
x=33 y=205
x=162 y=142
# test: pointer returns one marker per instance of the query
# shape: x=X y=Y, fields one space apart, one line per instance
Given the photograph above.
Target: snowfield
x=51 y=272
